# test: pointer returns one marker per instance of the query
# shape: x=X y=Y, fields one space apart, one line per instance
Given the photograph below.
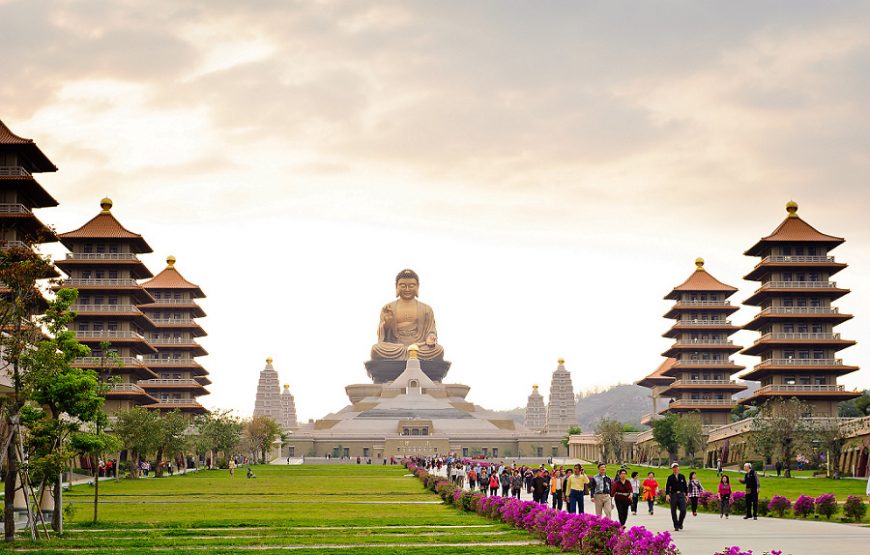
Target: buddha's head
x=407 y=284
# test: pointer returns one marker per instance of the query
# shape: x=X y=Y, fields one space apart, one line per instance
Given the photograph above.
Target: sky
x=551 y=170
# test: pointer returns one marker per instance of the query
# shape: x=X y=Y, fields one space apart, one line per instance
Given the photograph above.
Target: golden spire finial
x=561 y=361
x=699 y=264
x=413 y=349
x=170 y=261
x=286 y=386
x=791 y=207
x=535 y=386
x=106 y=205
x=269 y=360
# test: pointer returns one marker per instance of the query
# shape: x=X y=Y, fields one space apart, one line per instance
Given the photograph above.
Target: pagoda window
x=101 y=247
x=113 y=299
x=83 y=326
x=788 y=302
x=157 y=295
x=86 y=299
x=176 y=376
x=88 y=248
x=803 y=355
x=818 y=328
x=99 y=274
x=177 y=296
x=802 y=302
x=113 y=274
x=799 y=251
x=788 y=328
x=789 y=380
x=820 y=380
x=703 y=297
x=816 y=302
x=812 y=251
x=803 y=328
x=98 y=326
x=86 y=274
x=113 y=247
x=818 y=355
x=112 y=326
x=788 y=354
x=99 y=299
x=786 y=276
x=814 y=276
x=164 y=376
x=804 y=380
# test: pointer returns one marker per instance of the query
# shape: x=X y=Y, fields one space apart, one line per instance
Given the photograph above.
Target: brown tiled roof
x=105 y=226
x=170 y=278
x=794 y=228
x=700 y=280
x=40 y=161
x=659 y=375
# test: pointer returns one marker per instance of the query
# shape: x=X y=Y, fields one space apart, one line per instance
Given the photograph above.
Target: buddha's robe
x=395 y=337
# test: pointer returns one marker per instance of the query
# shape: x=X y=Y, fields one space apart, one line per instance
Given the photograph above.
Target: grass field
x=306 y=509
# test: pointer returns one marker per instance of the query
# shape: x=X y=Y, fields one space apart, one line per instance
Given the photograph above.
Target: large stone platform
x=385 y=371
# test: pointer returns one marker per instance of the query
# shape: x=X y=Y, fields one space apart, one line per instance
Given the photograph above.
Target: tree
x=20 y=302
x=260 y=433
x=138 y=429
x=611 y=438
x=831 y=438
x=665 y=434
x=217 y=432
x=857 y=407
x=573 y=430
x=94 y=445
x=689 y=433
x=172 y=439
x=784 y=425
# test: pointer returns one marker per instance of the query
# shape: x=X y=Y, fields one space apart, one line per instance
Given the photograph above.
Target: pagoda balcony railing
x=127 y=388
x=13 y=244
x=114 y=308
x=100 y=281
x=703 y=402
x=108 y=334
x=703 y=303
x=107 y=362
x=15 y=208
x=697 y=322
x=812 y=336
x=170 y=341
x=702 y=382
x=168 y=381
x=700 y=362
x=101 y=256
x=172 y=301
x=13 y=171
x=173 y=362
x=799 y=310
x=800 y=362
x=799 y=258
x=797 y=388
x=798 y=285
x=704 y=342
x=179 y=402
x=172 y=320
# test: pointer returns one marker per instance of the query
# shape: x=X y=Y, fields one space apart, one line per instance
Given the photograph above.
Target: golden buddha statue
x=405 y=322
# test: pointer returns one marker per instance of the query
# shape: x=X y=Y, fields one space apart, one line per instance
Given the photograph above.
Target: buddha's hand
x=387 y=315
x=431 y=340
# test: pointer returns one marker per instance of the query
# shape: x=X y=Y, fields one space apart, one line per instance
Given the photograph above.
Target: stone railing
x=179 y=402
x=702 y=303
x=13 y=244
x=74 y=282
x=13 y=171
x=170 y=362
x=798 y=258
x=95 y=362
x=172 y=320
x=127 y=388
x=799 y=362
x=703 y=403
x=805 y=336
x=798 y=285
x=797 y=388
x=698 y=362
x=108 y=334
x=170 y=341
x=699 y=322
x=701 y=342
x=169 y=381
x=799 y=310
x=104 y=308
x=101 y=256
x=856 y=427
x=172 y=301
x=702 y=382
x=14 y=208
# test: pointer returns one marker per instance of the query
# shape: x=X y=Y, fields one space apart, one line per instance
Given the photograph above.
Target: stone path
x=707 y=533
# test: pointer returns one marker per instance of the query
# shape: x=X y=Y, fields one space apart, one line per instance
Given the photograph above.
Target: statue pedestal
x=384 y=371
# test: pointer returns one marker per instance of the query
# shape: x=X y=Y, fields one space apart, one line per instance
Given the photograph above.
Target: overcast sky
x=551 y=170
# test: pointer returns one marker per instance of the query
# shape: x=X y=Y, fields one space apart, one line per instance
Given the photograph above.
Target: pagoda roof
x=171 y=278
x=660 y=375
x=40 y=161
x=794 y=229
x=105 y=226
x=700 y=280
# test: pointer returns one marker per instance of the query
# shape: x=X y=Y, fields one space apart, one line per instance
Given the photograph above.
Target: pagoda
x=268 y=401
x=562 y=408
x=702 y=350
x=21 y=193
x=173 y=313
x=288 y=409
x=104 y=266
x=536 y=412
x=656 y=382
x=798 y=346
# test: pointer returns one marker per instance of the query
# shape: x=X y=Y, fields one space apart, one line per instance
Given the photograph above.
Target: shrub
x=804 y=506
x=826 y=504
x=738 y=502
x=705 y=498
x=779 y=505
x=763 y=508
x=734 y=550
x=855 y=508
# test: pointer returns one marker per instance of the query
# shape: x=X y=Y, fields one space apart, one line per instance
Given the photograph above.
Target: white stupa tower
x=288 y=409
x=268 y=401
x=536 y=411
x=561 y=410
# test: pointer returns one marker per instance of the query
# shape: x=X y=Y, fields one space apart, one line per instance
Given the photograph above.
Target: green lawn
x=353 y=509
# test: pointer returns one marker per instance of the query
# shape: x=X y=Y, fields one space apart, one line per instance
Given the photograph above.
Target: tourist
x=546 y=494
x=556 y=489
x=622 y=495
x=676 y=489
x=538 y=488
x=232 y=466
x=505 y=479
x=695 y=490
x=724 y=496
x=635 y=492
x=493 y=484
x=753 y=486
x=516 y=484
x=778 y=469
x=250 y=473
x=718 y=467
x=472 y=478
x=576 y=486
x=483 y=480
x=650 y=490
x=601 y=487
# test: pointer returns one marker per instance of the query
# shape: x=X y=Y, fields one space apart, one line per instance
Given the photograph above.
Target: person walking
x=556 y=489
x=505 y=479
x=538 y=488
x=695 y=490
x=750 y=480
x=576 y=487
x=718 y=467
x=493 y=484
x=483 y=480
x=635 y=492
x=724 y=496
x=601 y=488
x=232 y=466
x=472 y=478
x=516 y=484
x=622 y=495
x=650 y=490
x=676 y=489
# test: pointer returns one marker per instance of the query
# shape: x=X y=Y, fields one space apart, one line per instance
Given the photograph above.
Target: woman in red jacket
x=650 y=490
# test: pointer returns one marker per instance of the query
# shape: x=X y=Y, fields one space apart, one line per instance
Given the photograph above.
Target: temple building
x=270 y=402
x=562 y=407
x=536 y=412
x=21 y=193
x=173 y=312
x=104 y=266
x=701 y=353
x=288 y=409
x=798 y=346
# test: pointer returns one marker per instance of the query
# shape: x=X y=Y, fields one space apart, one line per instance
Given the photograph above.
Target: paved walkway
x=707 y=533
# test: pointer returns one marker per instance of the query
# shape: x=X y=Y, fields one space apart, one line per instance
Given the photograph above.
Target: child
x=724 y=496
x=650 y=490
